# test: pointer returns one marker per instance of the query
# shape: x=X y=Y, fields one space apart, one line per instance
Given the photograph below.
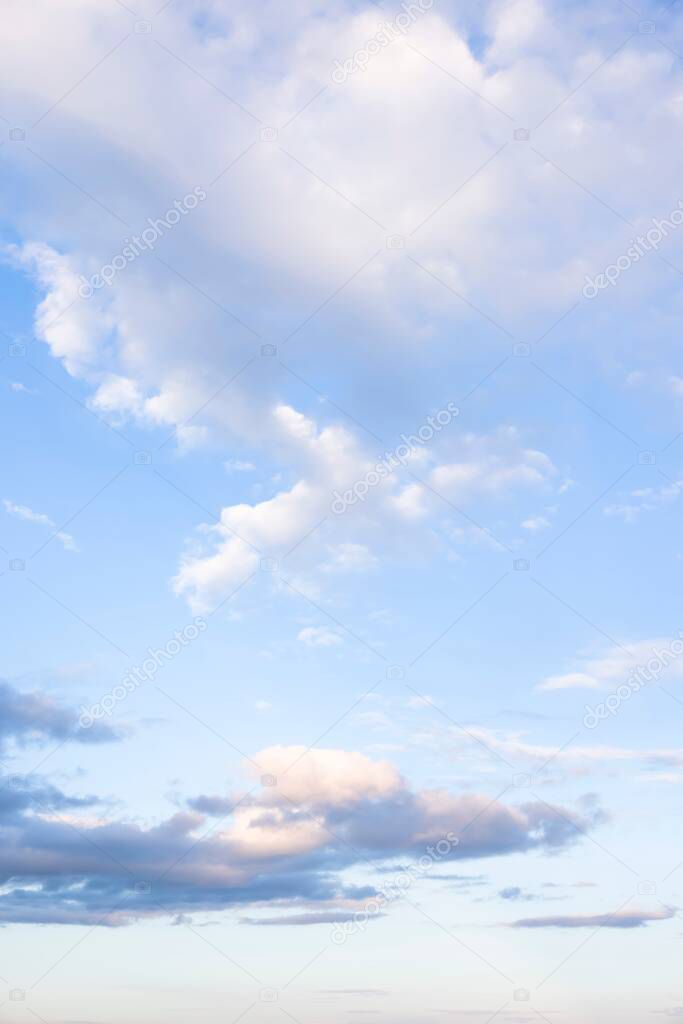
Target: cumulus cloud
x=333 y=462
x=517 y=238
x=285 y=842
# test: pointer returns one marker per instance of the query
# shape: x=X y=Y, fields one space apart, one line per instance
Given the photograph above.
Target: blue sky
x=340 y=511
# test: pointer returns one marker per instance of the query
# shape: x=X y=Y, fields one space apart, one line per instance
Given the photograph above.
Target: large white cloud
x=291 y=241
x=299 y=215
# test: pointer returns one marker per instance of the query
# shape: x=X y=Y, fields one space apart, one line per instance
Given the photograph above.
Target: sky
x=340 y=552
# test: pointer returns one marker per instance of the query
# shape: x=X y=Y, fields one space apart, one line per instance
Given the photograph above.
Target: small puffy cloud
x=645 y=499
x=570 y=680
x=515 y=894
x=335 y=777
x=319 y=636
x=535 y=523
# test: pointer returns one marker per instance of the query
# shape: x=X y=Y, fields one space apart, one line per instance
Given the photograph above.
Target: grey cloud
x=34 y=717
x=513 y=892
x=59 y=866
x=619 y=919
x=55 y=869
x=315 y=917
x=214 y=806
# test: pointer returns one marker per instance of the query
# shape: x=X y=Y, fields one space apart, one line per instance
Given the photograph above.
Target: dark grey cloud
x=619 y=919
x=34 y=717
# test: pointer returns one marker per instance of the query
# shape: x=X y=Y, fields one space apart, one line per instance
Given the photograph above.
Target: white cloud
x=491 y=465
x=359 y=137
x=319 y=636
x=350 y=557
x=616 y=665
x=118 y=395
x=535 y=523
x=76 y=338
x=577 y=759
x=26 y=513
x=40 y=519
x=516 y=242
x=332 y=461
x=327 y=776
x=645 y=499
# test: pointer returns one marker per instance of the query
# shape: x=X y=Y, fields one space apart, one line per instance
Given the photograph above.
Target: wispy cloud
x=40 y=519
x=618 y=919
